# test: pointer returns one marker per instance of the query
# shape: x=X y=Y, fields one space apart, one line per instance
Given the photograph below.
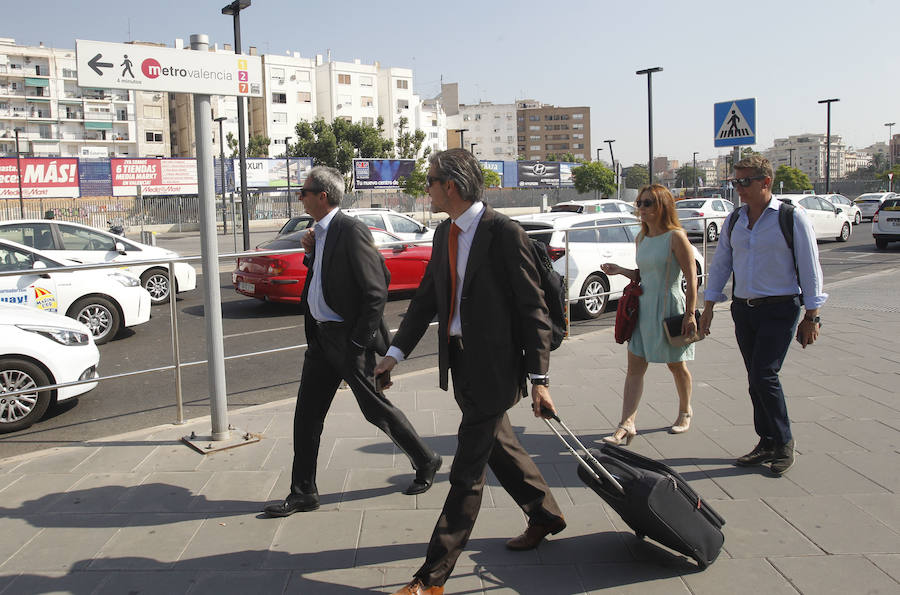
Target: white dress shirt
x=316 y=299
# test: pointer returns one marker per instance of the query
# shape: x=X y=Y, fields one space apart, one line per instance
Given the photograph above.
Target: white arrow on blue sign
x=734 y=123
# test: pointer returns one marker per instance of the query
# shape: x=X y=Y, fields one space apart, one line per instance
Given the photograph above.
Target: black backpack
x=553 y=285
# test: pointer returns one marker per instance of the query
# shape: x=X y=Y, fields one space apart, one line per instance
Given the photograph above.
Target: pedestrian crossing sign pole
x=734 y=123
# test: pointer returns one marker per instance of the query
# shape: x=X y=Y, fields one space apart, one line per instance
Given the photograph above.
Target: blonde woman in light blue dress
x=662 y=246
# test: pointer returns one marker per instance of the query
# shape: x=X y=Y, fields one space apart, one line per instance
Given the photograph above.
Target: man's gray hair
x=460 y=166
x=328 y=180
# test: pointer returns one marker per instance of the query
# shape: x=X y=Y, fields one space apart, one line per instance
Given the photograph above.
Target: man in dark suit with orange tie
x=493 y=334
x=343 y=302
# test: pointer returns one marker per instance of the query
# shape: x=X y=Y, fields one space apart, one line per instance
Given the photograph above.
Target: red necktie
x=452 y=244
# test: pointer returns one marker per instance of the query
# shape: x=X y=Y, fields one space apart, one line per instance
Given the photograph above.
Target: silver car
x=868 y=203
x=714 y=211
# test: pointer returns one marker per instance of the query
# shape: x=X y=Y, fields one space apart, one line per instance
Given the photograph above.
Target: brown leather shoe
x=415 y=587
x=534 y=534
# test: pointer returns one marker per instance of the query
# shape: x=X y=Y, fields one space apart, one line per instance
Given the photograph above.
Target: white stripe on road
x=268 y=330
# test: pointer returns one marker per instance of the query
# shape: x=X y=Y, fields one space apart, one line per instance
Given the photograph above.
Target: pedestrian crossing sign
x=734 y=123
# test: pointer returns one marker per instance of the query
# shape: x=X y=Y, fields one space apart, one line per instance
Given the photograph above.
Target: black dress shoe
x=293 y=503
x=424 y=477
x=762 y=453
x=783 y=458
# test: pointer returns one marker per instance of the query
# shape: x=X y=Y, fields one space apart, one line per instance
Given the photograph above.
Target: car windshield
x=541 y=237
x=869 y=198
x=690 y=204
x=567 y=209
x=290 y=241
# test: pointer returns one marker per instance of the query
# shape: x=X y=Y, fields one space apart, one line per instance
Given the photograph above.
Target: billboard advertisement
x=267 y=175
x=538 y=174
x=496 y=167
x=381 y=173
x=154 y=176
x=565 y=174
x=41 y=178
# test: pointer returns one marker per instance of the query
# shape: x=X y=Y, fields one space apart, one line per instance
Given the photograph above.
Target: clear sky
x=788 y=54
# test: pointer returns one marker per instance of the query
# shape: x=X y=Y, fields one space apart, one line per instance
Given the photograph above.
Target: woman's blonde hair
x=665 y=202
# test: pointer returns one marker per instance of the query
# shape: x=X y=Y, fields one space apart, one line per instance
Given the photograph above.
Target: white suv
x=886 y=223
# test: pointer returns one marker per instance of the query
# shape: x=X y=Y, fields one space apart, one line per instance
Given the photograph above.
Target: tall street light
x=287 y=159
x=19 y=176
x=221 y=119
x=462 y=145
x=649 y=72
x=890 y=127
x=828 y=103
x=234 y=9
x=694 y=174
x=472 y=148
x=612 y=159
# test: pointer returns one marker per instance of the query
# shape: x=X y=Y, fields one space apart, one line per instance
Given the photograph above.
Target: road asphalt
x=144 y=513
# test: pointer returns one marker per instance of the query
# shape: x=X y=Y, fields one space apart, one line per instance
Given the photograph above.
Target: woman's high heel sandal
x=683 y=423
x=623 y=435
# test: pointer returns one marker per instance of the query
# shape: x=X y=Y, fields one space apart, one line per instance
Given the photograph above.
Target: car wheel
x=881 y=244
x=712 y=233
x=99 y=315
x=156 y=282
x=20 y=411
x=595 y=294
x=858 y=219
x=845 y=232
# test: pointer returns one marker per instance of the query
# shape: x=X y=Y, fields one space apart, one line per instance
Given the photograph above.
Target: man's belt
x=759 y=301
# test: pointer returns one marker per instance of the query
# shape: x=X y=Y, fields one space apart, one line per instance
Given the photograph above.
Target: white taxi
x=38 y=349
x=105 y=300
x=84 y=244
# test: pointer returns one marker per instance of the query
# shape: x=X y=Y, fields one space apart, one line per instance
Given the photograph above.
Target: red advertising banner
x=154 y=176
x=41 y=178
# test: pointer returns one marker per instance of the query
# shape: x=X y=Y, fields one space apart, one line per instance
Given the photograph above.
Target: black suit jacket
x=505 y=324
x=355 y=281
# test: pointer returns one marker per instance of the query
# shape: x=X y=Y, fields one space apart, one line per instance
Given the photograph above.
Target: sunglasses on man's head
x=305 y=191
x=647 y=202
x=745 y=182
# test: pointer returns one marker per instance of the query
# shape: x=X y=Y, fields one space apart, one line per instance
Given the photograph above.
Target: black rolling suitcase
x=651 y=497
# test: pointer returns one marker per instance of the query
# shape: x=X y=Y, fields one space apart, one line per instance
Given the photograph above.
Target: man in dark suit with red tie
x=343 y=302
x=493 y=334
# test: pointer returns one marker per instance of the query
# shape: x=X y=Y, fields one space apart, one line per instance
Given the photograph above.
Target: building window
x=577 y=135
x=279 y=97
x=534 y=128
x=577 y=145
x=365 y=81
x=69 y=73
x=366 y=101
x=578 y=126
x=402 y=84
x=578 y=116
x=402 y=104
x=536 y=118
x=434 y=123
x=345 y=100
x=304 y=96
x=432 y=135
x=277 y=74
x=153 y=111
x=153 y=137
x=301 y=75
x=279 y=117
x=345 y=118
x=535 y=137
x=343 y=79
x=368 y=121
x=535 y=147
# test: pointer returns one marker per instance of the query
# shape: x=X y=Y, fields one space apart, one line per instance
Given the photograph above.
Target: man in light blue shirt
x=770 y=282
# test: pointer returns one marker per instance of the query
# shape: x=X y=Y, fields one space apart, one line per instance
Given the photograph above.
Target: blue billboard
x=381 y=173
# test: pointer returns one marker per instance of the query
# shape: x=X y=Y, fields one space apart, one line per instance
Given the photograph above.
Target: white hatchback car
x=868 y=203
x=588 y=249
x=886 y=223
x=715 y=210
x=84 y=244
x=105 y=300
x=850 y=208
x=587 y=207
x=405 y=228
x=828 y=221
x=39 y=349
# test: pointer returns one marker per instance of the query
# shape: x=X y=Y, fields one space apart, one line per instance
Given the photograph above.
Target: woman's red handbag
x=627 y=312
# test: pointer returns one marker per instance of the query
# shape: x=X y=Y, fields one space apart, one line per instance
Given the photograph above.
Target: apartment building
x=807 y=152
x=431 y=119
x=289 y=96
x=40 y=97
x=489 y=130
x=396 y=99
x=550 y=130
x=347 y=90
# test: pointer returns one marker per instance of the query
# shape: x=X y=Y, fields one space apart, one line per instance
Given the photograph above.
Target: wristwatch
x=815 y=319
x=542 y=381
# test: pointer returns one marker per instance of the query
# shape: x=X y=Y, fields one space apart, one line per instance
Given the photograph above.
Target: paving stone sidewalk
x=142 y=513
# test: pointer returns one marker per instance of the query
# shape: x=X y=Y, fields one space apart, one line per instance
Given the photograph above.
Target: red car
x=280 y=278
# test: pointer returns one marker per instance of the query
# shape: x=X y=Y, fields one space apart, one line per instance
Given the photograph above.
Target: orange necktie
x=452 y=245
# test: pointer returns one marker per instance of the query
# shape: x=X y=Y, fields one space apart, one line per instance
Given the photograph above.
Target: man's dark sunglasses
x=429 y=181
x=647 y=202
x=305 y=191
x=745 y=182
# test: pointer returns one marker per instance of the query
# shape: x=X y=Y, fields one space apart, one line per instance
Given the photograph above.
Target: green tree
x=636 y=177
x=337 y=143
x=414 y=184
x=257 y=145
x=594 y=176
x=688 y=176
x=794 y=179
x=888 y=182
x=570 y=157
x=409 y=143
x=491 y=178
x=551 y=157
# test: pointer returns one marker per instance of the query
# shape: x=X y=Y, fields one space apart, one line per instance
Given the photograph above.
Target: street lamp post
x=649 y=72
x=890 y=127
x=287 y=159
x=612 y=157
x=472 y=148
x=234 y=9
x=221 y=119
x=828 y=103
x=694 y=174
x=19 y=177
x=598 y=154
x=462 y=145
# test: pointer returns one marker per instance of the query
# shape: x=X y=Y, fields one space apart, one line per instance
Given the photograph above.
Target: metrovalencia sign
x=150 y=68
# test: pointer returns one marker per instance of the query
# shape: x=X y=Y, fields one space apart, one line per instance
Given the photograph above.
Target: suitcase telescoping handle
x=581 y=460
